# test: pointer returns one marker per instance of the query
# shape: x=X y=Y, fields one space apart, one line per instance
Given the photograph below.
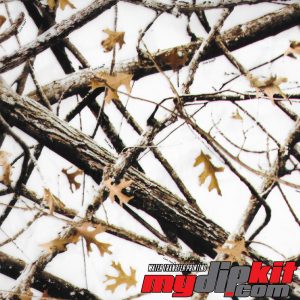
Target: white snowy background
x=180 y=148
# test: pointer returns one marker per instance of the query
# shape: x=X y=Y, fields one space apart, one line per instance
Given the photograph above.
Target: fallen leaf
x=121 y=278
x=116 y=190
x=114 y=37
x=60 y=244
x=6 y=168
x=72 y=178
x=62 y=4
x=293 y=49
x=236 y=116
x=234 y=251
x=90 y=237
x=209 y=171
x=2 y=20
x=52 y=201
x=174 y=58
x=112 y=82
x=270 y=86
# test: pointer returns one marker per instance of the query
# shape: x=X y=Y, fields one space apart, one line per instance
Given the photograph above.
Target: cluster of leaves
x=113 y=81
x=82 y=231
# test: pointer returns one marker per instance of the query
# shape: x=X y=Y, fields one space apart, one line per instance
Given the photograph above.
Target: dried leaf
x=2 y=20
x=26 y=296
x=270 y=86
x=236 y=116
x=209 y=171
x=113 y=82
x=62 y=4
x=72 y=178
x=116 y=190
x=121 y=278
x=234 y=253
x=52 y=4
x=59 y=244
x=174 y=58
x=293 y=49
x=6 y=168
x=90 y=237
x=52 y=201
x=114 y=37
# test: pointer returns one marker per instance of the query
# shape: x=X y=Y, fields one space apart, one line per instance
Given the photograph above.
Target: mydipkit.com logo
x=257 y=280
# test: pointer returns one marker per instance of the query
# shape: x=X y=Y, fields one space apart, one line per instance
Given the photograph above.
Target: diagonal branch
x=235 y=38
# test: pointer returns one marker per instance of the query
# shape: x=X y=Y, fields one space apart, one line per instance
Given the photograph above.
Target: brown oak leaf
x=209 y=171
x=53 y=4
x=90 y=237
x=236 y=116
x=293 y=49
x=116 y=190
x=72 y=178
x=114 y=37
x=112 y=82
x=26 y=295
x=176 y=59
x=60 y=244
x=234 y=251
x=121 y=278
x=270 y=86
x=52 y=201
x=2 y=20
x=6 y=168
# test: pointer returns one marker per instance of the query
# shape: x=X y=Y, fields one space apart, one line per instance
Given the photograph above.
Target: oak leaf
x=234 y=251
x=2 y=20
x=60 y=244
x=112 y=82
x=6 y=167
x=174 y=58
x=116 y=190
x=270 y=86
x=209 y=171
x=236 y=116
x=114 y=37
x=121 y=278
x=28 y=295
x=52 y=201
x=72 y=178
x=293 y=49
x=62 y=4
x=90 y=237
